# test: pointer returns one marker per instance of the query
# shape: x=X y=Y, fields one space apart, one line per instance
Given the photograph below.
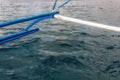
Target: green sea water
x=61 y=50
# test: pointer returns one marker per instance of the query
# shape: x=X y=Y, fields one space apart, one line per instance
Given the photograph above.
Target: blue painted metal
x=54 y=5
x=10 y=22
x=17 y=35
x=62 y=5
x=26 y=31
x=36 y=21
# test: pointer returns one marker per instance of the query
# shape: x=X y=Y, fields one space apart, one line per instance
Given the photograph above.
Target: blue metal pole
x=62 y=5
x=17 y=36
x=36 y=21
x=54 y=5
x=19 y=20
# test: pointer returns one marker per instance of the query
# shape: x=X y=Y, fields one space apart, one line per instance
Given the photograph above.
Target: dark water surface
x=62 y=50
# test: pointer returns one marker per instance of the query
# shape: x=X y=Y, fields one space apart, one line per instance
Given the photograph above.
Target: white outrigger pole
x=92 y=24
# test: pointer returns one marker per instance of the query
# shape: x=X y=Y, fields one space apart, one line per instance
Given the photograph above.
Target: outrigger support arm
x=26 y=31
x=60 y=6
x=20 y=20
x=17 y=35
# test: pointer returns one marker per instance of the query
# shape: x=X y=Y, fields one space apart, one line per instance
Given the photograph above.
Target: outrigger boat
x=54 y=13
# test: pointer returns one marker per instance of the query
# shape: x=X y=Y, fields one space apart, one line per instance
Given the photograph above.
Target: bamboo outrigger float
x=54 y=13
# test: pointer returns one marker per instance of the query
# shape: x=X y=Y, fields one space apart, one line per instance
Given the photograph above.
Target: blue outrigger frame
x=26 y=31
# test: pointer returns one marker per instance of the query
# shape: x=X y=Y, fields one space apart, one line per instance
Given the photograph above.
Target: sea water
x=61 y=50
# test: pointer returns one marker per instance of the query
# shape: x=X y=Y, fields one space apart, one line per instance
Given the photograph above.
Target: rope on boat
x=92 y=24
